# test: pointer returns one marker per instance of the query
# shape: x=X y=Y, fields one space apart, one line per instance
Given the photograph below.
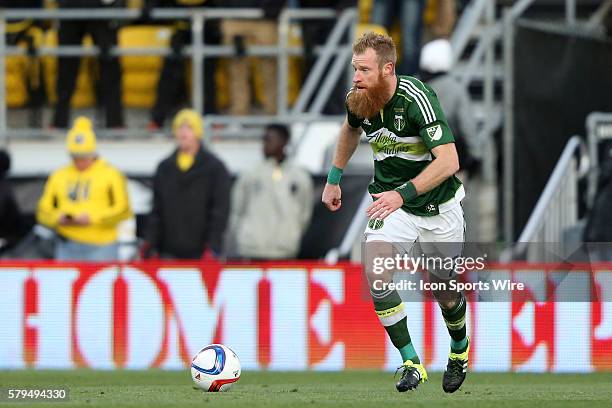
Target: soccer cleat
x=456 y=370
x=412 y=375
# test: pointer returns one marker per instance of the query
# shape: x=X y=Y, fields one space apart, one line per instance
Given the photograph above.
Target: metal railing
x=227 y=122
x=483 y=55
x=198 y=50
x=557 y=207
x=353 y=234
x=599 y=15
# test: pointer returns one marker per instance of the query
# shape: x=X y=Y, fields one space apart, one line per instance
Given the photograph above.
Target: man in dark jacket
x=104 y=35
x=191 y=192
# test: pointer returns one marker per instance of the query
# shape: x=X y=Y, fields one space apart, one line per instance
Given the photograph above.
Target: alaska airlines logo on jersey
x=434 y=132
x=399 y=122
x=382 y=136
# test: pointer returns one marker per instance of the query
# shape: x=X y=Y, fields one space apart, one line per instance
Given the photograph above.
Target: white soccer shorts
x=439 y=235
x=403 y=227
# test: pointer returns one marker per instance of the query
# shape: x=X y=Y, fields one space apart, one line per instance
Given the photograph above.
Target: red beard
x=366 y=105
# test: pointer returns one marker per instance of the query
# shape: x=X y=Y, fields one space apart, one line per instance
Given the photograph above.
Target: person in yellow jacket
x=85 y=200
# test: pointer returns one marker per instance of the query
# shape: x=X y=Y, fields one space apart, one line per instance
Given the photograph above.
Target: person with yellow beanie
x=84 y=201
x=191 y=190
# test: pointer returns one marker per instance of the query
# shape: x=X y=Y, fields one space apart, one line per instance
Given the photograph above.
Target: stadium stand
x=235 y=145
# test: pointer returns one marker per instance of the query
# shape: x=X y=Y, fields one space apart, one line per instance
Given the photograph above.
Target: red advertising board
x=278 y=316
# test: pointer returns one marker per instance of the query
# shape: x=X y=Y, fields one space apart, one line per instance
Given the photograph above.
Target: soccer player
x=416 y=195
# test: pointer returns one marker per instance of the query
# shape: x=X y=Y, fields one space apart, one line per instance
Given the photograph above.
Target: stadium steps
x=545 y=10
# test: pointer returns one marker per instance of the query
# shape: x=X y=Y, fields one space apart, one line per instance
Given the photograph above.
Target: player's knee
x=448 y=300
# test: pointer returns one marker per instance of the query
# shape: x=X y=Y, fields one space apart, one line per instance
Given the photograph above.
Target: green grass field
x=348 y=389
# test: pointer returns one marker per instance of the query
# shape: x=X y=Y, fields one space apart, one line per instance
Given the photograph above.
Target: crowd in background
x=406 y=20
x=267 y=210
x=196 y=212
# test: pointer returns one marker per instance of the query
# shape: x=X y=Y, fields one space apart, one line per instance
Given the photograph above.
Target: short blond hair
x=382 y=44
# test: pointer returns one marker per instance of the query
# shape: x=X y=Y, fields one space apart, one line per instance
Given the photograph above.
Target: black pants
x=171 y=88
x=104 y=36
x=315 y=33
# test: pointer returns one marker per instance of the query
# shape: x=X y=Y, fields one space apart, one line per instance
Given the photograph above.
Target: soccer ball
x=215 y=368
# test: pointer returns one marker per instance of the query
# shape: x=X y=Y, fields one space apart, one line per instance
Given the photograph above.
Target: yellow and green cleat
x=412 y=375
x=456 y=370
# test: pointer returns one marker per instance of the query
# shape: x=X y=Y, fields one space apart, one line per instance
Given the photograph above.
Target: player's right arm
x=347 y=144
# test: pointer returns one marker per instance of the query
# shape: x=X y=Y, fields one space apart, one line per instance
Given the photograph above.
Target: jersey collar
x=391 y=101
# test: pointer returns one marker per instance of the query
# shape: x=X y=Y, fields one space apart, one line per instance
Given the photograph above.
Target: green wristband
x=407 y=191
x=334 y=175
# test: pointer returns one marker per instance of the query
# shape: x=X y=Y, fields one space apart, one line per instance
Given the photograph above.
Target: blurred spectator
x=84 y=201
x=271 y=203
x=242 y=34
x=440 y=17
x=190 y=197
x=410 y=15
x=104 y=35
x=316 y=33
x=23 y=32
x=12 y=225
x=172 y=87
x=436 y=62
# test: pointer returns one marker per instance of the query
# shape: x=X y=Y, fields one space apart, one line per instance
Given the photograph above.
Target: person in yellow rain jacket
x=85 y=200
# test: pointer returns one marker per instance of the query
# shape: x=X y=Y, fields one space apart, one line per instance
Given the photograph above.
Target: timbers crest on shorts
x=375 y=223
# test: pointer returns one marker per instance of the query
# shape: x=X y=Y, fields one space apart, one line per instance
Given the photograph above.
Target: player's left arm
x=445 y=164
x=436 y=135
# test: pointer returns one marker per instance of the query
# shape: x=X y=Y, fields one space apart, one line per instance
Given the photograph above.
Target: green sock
x=459 y=346
x=390 y=311
x=409 y=353
x=455 y=323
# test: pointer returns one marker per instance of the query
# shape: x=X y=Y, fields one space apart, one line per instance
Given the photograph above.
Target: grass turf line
x=154 y=388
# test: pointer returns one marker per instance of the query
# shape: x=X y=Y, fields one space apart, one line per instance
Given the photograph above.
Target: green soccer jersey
x=402 y=136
